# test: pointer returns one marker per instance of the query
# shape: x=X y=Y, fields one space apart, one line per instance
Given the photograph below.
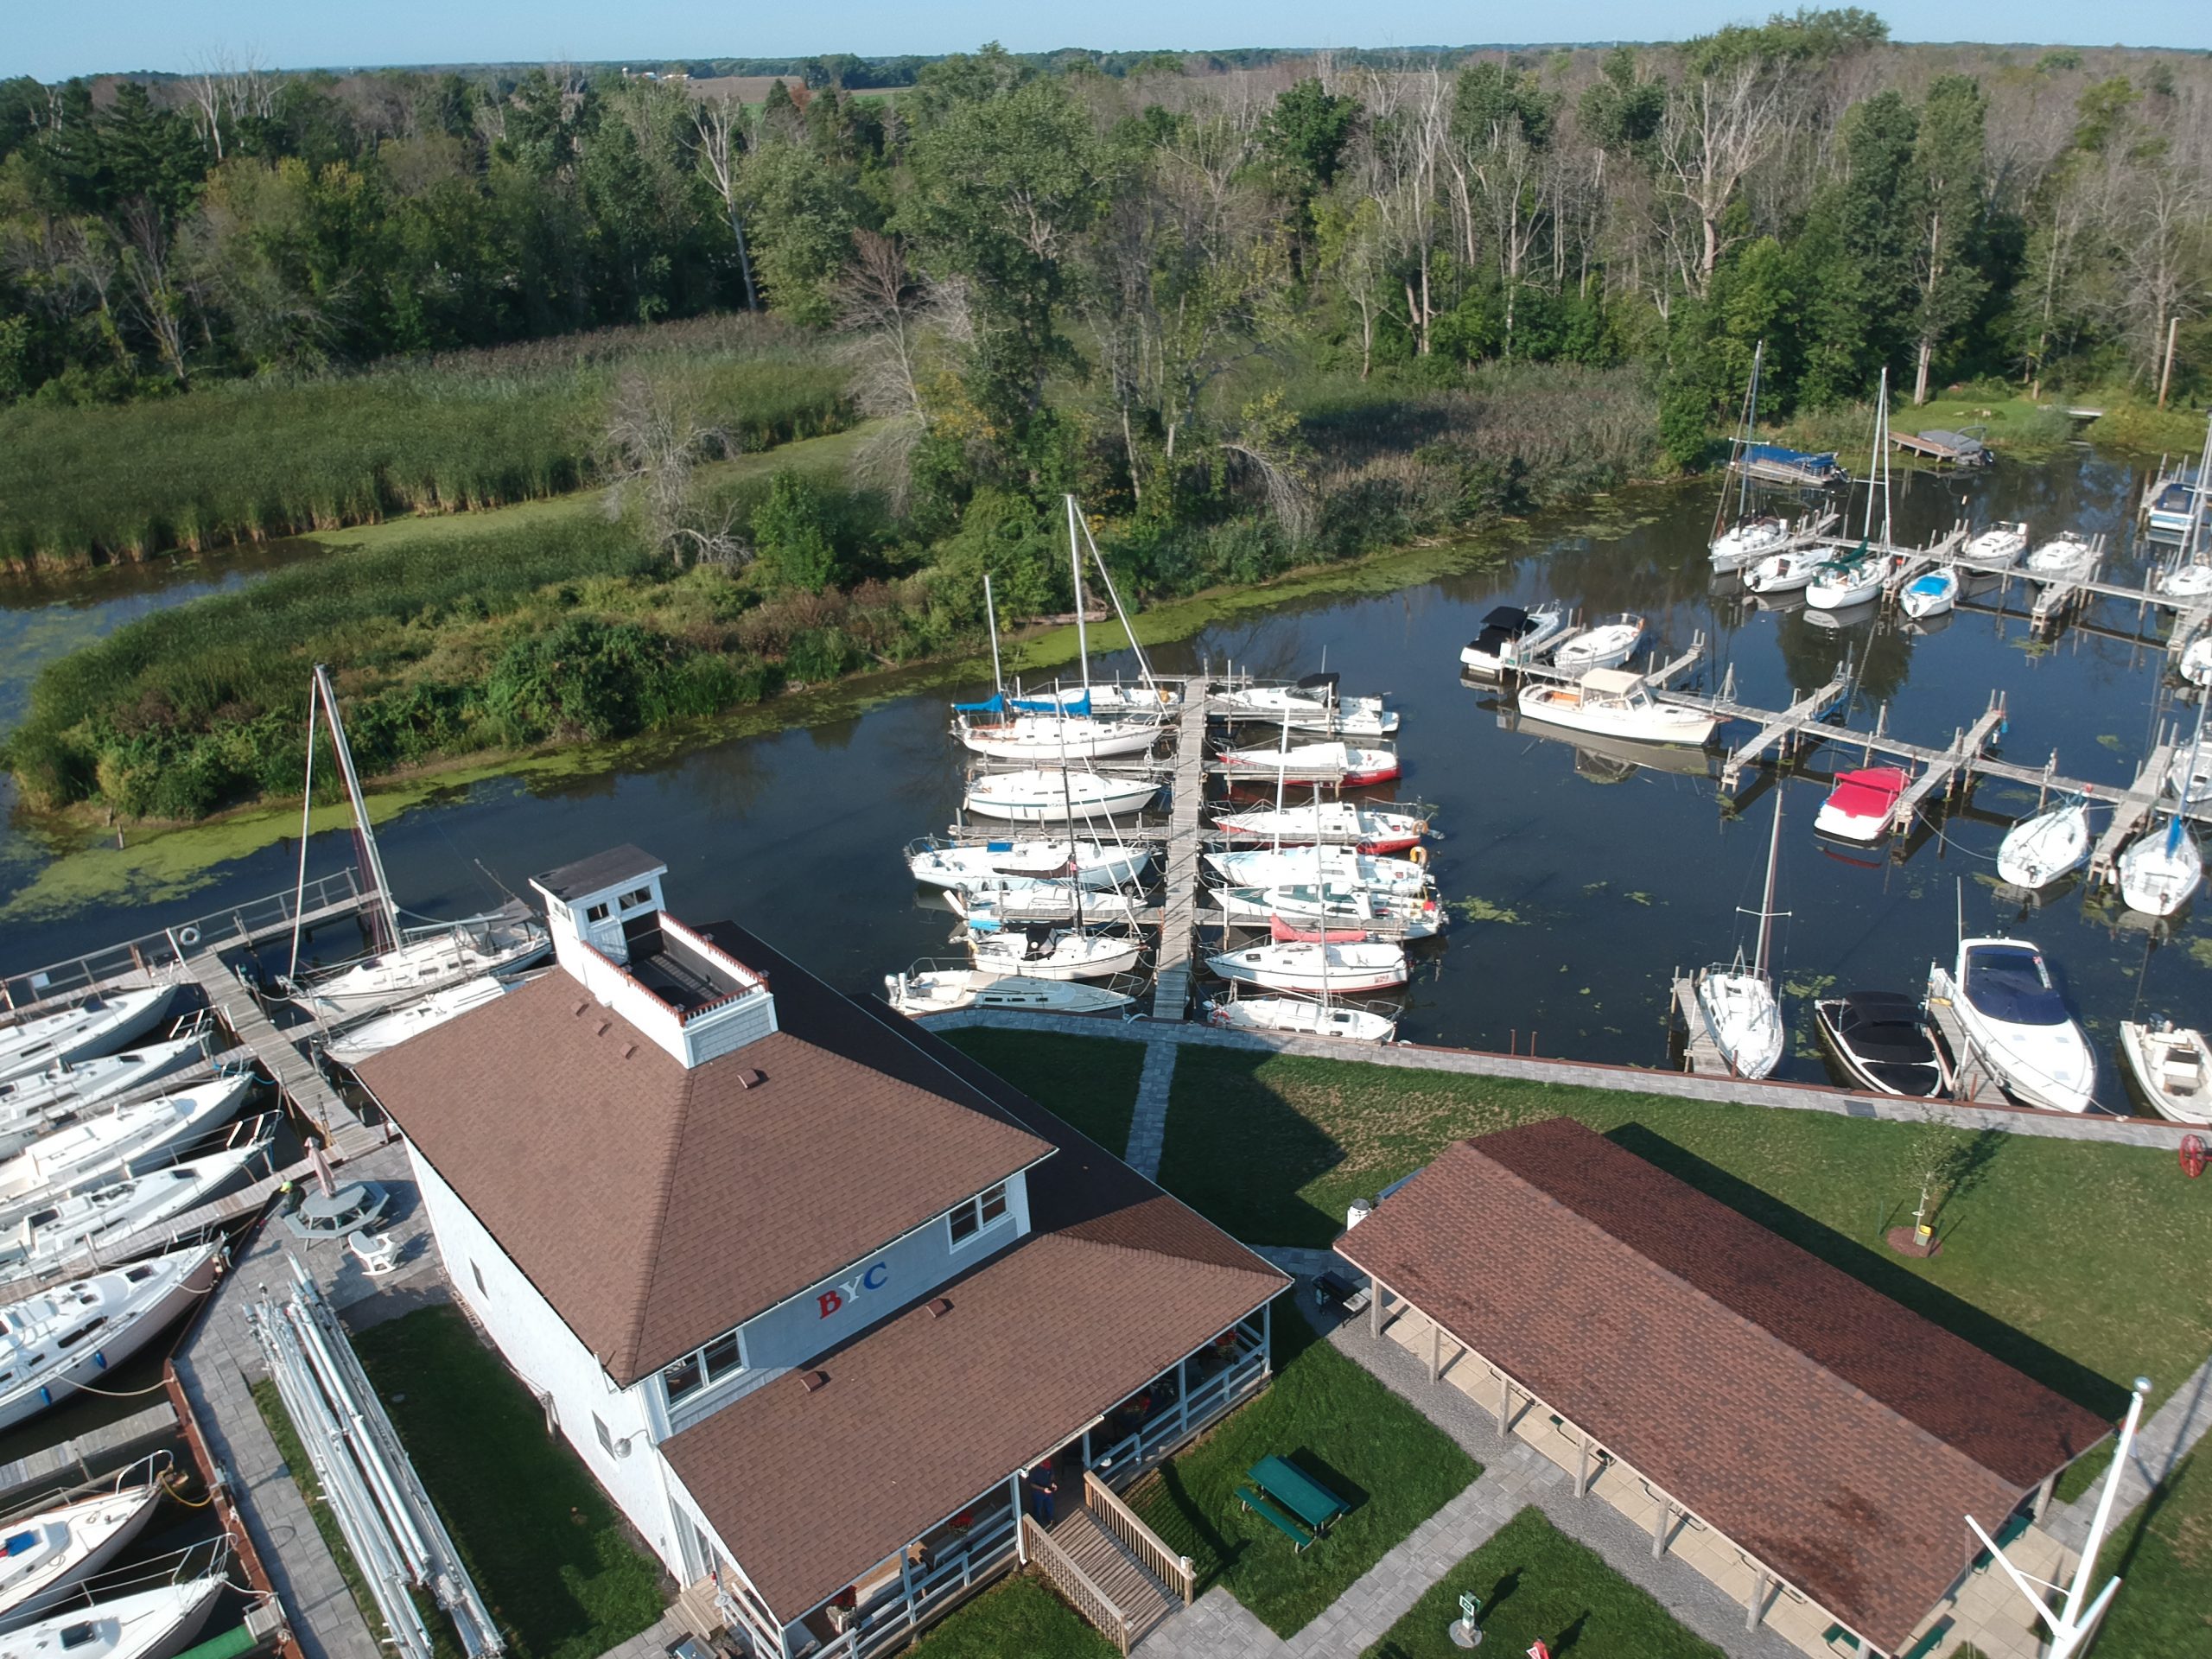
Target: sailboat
x=1333 y=824
x=98 y=1026
x=2190 y=575
x=2037 y=851
x=1737 y=1004
x=2159 y=872
x=1753 y=536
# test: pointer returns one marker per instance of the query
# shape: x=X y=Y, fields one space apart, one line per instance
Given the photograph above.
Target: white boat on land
x=1340 y=866
x=2161 y=868
x=501 y=944
x=1784 y=573
x=1737 y=1002
x=1885 y=1041
x=29 y=1104
x=113 y=1146
x=395 y=1026
x=1931 y=594
x=936 y=862
x=1512 y=637
x=2172 y=1067
x=1314 y=704
x=98 y=1026
x=1341 y=762
x=940 y=988
x=1748 y=541
x=156 y=1623
x=2037 y=851
x=1048 y=738
x=1332 y=824
x=107 y=1215
x=1606 y=646
x=1343 y=968
x=2000 y=545
x=2016 y=1022
x=1853 y=579
x=1300 y=1016
x=1613 y=702
x=59 y=1546
x=2063 y=558
x=1038 y=796
x=1042 y=952
x=1412 y=916
x=45 y=1346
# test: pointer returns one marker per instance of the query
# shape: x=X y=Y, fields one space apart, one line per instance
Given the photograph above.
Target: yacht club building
x=806 y=1288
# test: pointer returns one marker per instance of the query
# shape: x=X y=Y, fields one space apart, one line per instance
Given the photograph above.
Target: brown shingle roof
x=656 y=1207
x=1834 y=1432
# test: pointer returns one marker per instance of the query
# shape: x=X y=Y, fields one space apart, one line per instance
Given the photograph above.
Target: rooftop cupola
x=677 y=986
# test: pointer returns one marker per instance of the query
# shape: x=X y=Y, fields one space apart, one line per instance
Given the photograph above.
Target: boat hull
x=42 y=1389
x=2039 y=851
x=1682 y=726
x=1047 y=804
x=1349 y=968
x=2172 y=1070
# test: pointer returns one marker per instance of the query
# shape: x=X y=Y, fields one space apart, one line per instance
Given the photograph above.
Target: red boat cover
x=1869 y=793
x=1286 y=934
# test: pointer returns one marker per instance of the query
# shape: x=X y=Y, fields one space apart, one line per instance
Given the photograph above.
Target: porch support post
x=1504 y=1403
x=2043 y=1492
x=1268 y=1336
x=1582 y=1469
x=1183 y=1394
x=1659 y=1528
x=1086 y=1450
x=1020 y=1543
x=1756 y=1610
x=1374 y=1306
x=1435 y=1351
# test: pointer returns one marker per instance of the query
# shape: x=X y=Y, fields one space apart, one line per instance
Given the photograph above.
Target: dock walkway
x=2131 y=811
x=1171 y=989
x=1780 y=730
x=302 y=1086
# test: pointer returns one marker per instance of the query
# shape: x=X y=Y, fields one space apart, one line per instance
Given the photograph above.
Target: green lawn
x=1536 y=1584
x=548 y=1551
x=1018 y=1619
x=2064 y=1259
x=1330 y=1417
x=1091 y=1082
x=2164 y=1556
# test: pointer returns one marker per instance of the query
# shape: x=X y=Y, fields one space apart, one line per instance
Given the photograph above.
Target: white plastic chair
x=377 y=1253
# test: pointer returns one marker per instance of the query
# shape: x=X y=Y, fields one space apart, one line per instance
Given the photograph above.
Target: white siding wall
x=537 y=1345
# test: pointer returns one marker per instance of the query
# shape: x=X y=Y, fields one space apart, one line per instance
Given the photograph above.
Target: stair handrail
x=1078 y=1585
x=1173 y=1570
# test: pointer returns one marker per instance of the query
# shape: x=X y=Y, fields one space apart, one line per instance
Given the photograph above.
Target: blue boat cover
x=1053 y=705
x=2006 y=981
x=995 y=705
x=1785 y=456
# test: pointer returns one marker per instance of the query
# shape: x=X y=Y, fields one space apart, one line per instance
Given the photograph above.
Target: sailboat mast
x=1766 y=903
x=307 y=824
x=1751 y=426
x=1144 y=667
x=1887 y=535
x=991 y=621
x=1075 y=568
x=1321 y=895
x=388 y=907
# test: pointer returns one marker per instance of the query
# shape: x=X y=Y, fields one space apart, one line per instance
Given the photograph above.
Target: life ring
x=187 y=935
x=1418 y=854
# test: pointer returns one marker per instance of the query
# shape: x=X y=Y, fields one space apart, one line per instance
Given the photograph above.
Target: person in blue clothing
x=1042 y=1485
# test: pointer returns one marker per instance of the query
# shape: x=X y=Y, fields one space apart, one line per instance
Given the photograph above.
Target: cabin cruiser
x=2064 y=558
x=99 y=1025
x=2017 y=1023
x=1332 y=824
x=1323 y=968
x=2172 y=1067
x=2196 y=664
x=43 y=1353
x=1784 y=573
x=936 y=862
x=1038 y=796
x=1861 y=804
x=1748 y=541
x=940 y=988
x=1998 y=546
x=2037 y=851
x=1883 y=1041
x=1512 y=637
x=1606 y=646
x=1613 y=702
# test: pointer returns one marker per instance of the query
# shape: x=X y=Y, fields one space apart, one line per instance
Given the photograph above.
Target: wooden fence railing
x=1172 y=1570
x=1074 y=1584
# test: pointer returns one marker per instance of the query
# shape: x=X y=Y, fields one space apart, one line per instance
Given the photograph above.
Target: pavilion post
x=2042 y=1493
x=1020 y=1541
x=1435 y=1351
x=1504 y=1403
x=1659 y=1528
x=1753 y=1614
x=1582 y=1470
x=1374 y=1306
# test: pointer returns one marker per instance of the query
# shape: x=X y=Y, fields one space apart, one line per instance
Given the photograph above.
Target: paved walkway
x=1148 y=1125
x=2160 y=1446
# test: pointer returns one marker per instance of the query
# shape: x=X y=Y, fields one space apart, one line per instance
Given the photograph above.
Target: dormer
x=610 y=935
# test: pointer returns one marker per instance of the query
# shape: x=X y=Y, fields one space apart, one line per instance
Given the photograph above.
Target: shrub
x=788 y=534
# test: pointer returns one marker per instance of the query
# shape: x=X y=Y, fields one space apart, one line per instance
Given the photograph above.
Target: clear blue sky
x=53 y=41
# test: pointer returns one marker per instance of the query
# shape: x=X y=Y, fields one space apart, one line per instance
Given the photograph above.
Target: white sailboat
x=43 y=1353
x=941 y=988
x=156 y=1623
x=2161 y=870
x=1311 y=704
x=2037 y=851
x=2063 y=558
x=1341 y=762
x=1309 y=905
x=1042 y=952
x=1333 y=824
x=1035 y=795
x=1737 y=1003
x=935 y=862
x=1613 y=702
x=395 y=1026
x=1013 y=900
x=98 y=1026
x=29 y=1105
x=1285 y=1015
x=1340 y=866
x=1027 y=736
x=1753 y=536
x=57 y=1548
x=2172 y=1067
x=1606 y=646
x=2016 y=1020
x=107 y=1215
x=115 y=1144
x=1343 y=968
x=1784 y=573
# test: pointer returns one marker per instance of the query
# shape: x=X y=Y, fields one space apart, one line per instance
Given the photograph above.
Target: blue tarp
x=1784 y=456
x=995 y=706
x=1053 y=705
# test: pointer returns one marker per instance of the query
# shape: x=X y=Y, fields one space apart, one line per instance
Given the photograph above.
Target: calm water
x=1612 y=877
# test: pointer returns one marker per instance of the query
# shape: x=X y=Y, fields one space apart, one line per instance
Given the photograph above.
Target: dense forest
x=1257 y=313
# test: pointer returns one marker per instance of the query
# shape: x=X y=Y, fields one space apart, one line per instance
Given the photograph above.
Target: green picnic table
x=1289 y=1499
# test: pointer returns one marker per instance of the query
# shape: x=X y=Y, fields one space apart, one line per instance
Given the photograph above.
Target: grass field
x=2162 y=1554
x=1091 y=1082
x=1327 y=1415
x=1021 y=1618
x=1536 y=1584
x=553 y=1560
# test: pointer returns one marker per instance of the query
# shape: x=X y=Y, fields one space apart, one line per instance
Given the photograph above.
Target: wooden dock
x=1702 y=1054
x=87 y=1456
x=1952 y=771
x=1784 y=732
x=1171 y=989
x=304 y=1087
x=1972 y=1085
x=2131 y=813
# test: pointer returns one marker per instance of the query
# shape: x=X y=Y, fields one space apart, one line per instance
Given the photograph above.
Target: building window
x=682 y=1379
x=606 y=1439
x=642 y=896
x=717 y=1362
x=595 y=913
x=482 y=1289
x=971 y=1218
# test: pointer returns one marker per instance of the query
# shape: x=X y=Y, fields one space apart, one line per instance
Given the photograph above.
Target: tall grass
x=244 y=461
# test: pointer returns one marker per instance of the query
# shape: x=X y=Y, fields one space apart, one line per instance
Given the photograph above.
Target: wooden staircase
x=1115 y=1571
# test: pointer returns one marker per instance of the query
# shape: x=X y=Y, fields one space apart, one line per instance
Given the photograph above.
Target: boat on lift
x=98 y=1026
x=1283 y=1015
x=2171 y=1067
x=1342 y=967
x=1885 y=1041
x=1862 y=804
x=116 y=1144
x=1041 y=951
x=1613 y=702
x=2016 y=1022
x=1341 y=762
x=54 y=1549
x=31 y=1104
x=1331 y=824
x=2063 y=558
x=1784 y=573
x=943 y=987
x=369 y=1037
x=1999 y=547
x=1737 y=1002
x=1039 y=795
x=1931 y=594
x=1340 y=866
x=1512 y=637
x=2037 y=851
x=936 y=861
x=1606 y=646
x=44 y=1355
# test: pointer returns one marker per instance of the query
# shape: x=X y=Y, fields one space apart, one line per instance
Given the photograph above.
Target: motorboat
x=1784 y=573
x=1300 y=1016
x=1340 y=763
x=2196 y=664
x=936 y=862
x=44 y=1355
x=112 y=1146
x=358 y=1042
x=54 y=1549
x=2063 y=558
x=2037 y=851
x=2175 y=504
x=1016 y=900
x=1737 y=1003
x=1999 y=547
x=105 y=1216
x=2172 y=1067
x=1931 y=594
x=1862 y=804
x=1038 y=796
x=1412 y=916
x=1748 y=541
x=1343 y=968
x=29 y=1104
x=1042 y=952
x=940 y=988
x=1853 y=579
x=154 y=1623
x=99 y=1025
x=2190 y=581
x=1613 y=702
x=427 y=962
x=1512 y=637
x=1331 y=824
x=1606 y=646
x=1340 y=866
x=2017 y=1023
x=1314 y=704
x=1883 y=1040
x=1048 y=738
x=2161 y=869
